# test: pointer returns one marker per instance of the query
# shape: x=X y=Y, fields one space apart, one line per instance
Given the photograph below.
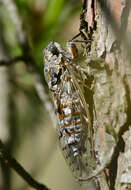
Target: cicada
x=74 y=128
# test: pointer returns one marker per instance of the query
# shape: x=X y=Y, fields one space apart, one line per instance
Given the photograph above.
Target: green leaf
x=53 y=10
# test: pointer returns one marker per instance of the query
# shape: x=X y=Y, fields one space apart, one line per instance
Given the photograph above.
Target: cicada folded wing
x=74 y=123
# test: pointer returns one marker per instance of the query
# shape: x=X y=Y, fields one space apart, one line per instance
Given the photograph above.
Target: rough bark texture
x=108 y=61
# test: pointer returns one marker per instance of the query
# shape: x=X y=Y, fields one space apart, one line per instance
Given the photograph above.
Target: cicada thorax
x=72 y=127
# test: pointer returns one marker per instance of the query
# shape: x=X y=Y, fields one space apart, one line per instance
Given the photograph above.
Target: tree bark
x=109 y=62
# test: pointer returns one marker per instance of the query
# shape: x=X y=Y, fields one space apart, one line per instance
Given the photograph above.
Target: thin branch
x=12 y=163
x=11 y=61
x=16 y=20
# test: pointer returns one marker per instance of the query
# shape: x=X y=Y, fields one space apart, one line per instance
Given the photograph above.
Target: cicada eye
x=45 y=70
x=54 y=50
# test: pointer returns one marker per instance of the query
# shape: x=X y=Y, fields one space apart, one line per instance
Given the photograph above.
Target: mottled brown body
x=72 y=125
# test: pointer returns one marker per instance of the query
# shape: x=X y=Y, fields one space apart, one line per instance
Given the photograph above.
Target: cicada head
x=53 y=56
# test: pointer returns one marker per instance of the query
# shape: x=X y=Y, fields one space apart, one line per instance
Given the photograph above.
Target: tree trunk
x=108 y=61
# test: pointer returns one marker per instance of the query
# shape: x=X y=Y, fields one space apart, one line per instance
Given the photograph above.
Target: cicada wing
x=76 y=163
x=93 y=167
x=73 y=138
x=85 y=106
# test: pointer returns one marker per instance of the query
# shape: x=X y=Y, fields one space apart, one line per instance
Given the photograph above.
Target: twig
x=11 y=61
x=12 y=163
x=16 y=19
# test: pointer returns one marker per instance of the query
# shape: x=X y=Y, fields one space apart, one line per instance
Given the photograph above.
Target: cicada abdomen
x=72 y=125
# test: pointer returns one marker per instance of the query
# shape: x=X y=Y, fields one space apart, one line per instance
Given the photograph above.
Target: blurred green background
x=26 y=27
